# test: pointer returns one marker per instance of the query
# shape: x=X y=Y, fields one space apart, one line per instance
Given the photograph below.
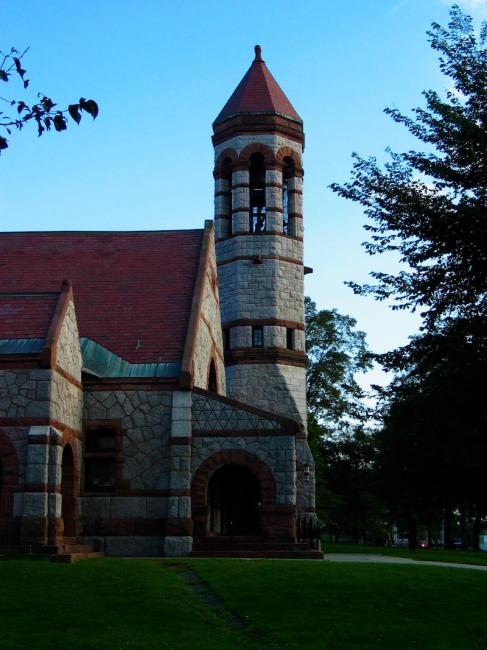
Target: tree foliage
x=430 y=207
x=336 y=353
x=43 y=113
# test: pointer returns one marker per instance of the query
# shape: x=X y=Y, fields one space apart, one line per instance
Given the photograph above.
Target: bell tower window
x=287 y=174
x=227 y=177
x=257 y=193
x=257 y=337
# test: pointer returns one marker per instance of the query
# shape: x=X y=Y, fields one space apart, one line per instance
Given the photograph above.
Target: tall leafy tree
x=431 y=206
x=336 y=353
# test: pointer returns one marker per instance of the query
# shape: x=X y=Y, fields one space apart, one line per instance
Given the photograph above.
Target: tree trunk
x=477 y=523
x=447 y=539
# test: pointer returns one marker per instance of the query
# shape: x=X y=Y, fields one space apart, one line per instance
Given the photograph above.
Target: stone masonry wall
x=68 y=351
x=276 y=388
x=272 y=289
x=145 y=419
x=277 y=452
x=209 y=341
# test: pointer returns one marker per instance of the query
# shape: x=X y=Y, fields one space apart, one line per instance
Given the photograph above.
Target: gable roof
x=258 y=92
x=26 y=316
x=132 y=290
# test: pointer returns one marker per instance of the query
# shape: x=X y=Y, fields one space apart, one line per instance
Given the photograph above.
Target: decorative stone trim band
x=94 y=384
x=69 y=378
x=238 y=433
x=40 y=421
x=242 y=322
x=139 y=493
x=259 y=234
x=239 y=356
x=259 y=258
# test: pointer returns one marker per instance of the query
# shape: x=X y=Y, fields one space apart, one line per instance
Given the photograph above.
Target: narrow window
x=212 y=379
x=289 y=338
x=226 y=339
x=287 y=174
x=100 y=460
x=257 y=193
x=227 y=176
x=257 y=337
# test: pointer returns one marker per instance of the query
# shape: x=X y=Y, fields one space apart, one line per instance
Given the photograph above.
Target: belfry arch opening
x=257 y=222
x=226 y=175
x=234 y=500
x=287 y=174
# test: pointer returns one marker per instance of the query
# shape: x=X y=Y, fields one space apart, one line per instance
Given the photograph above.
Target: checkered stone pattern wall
x=214 y=415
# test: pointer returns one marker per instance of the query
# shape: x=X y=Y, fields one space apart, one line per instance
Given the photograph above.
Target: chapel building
x=152 y=384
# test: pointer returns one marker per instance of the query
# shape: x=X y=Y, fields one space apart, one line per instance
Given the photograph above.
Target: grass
x=350 y=606
x=112 y=604
x=103 y=604
x=434 y=555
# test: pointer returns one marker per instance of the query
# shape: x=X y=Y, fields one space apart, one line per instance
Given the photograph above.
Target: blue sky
x=162 y=70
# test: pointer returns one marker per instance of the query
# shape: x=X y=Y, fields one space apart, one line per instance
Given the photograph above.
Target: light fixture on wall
x=304 y=469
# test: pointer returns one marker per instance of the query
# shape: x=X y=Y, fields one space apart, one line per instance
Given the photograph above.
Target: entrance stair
x=252 y=547
x=69 y=550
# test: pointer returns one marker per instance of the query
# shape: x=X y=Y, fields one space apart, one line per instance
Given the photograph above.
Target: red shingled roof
x=127 y=286
x=26 y=316
x=258 y=92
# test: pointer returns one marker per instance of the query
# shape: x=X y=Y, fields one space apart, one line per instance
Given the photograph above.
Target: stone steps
x=70 y=558
x=261 y=553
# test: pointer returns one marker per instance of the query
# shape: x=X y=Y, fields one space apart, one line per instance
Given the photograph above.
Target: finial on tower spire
x=258 y=52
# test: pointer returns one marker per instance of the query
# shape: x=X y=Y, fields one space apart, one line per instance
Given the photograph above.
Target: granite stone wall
x=68 y=351
x=209 y=342
x=279 y=389
x=145 y=419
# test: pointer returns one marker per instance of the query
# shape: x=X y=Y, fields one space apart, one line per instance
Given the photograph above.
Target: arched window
x=212 y=379
x=227 y=177
x=287 y=174
x=257 y=193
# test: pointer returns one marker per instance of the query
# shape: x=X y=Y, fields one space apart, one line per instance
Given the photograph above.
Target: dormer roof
x=258 y=93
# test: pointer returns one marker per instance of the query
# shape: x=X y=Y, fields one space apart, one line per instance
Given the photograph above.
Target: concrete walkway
x=389 y=559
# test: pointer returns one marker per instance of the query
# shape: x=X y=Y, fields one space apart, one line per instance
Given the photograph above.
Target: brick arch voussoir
x=257 y=147
x=287 y=152
x=226 y=153
x=250 y=461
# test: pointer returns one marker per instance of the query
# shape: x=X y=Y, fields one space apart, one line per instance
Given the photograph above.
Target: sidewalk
x=388 y=559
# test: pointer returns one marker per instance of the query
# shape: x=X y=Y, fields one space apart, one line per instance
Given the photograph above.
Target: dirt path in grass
x=389 y=559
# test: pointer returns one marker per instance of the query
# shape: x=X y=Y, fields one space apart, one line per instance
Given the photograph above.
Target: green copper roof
x=101 y=362
x=97 y=360
x=21 y=346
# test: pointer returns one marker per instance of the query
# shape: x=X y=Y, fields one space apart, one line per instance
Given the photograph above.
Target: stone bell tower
x=259 y=141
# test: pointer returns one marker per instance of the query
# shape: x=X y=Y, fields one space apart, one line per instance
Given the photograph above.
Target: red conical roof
x=258 y=92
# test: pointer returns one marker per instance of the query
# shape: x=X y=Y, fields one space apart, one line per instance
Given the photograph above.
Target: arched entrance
x=68 y=486
x=234 y=500
x=231 y=485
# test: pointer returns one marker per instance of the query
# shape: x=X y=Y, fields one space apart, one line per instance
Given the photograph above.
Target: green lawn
x=286 y=604
x=435 y=555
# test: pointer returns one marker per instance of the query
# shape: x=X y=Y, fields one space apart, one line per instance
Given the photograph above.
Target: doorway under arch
x=68 y=486
x=234 y=500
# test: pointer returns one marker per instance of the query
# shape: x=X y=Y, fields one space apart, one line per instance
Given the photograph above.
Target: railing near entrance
x=308 y=528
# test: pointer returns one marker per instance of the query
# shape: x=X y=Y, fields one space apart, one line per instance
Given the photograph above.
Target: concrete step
x=282 y=554
x=70 y=558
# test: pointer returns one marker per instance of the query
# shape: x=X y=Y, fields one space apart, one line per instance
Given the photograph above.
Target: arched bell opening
x=234 y=500
x=257 y=185
x=68 y=487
